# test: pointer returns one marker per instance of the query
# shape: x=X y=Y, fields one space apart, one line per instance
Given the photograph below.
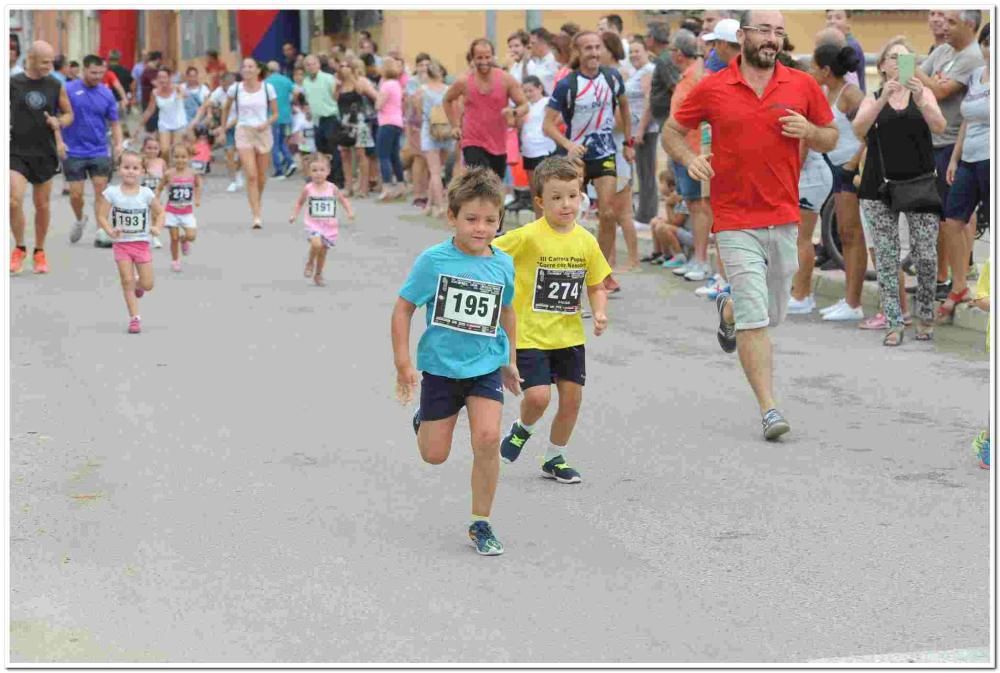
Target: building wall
x=445 y=34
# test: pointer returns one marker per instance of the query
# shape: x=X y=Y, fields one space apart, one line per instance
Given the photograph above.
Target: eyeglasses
x=779 y=33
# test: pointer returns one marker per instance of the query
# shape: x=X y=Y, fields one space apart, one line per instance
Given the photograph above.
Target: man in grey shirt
x=945 y=72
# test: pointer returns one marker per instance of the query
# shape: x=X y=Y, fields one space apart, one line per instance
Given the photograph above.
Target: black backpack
x=574 y=84
x=661 y=88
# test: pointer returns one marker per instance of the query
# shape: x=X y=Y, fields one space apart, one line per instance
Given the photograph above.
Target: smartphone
x=907 y=64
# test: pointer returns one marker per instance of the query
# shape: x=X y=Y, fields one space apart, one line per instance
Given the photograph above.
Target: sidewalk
x=831 y=284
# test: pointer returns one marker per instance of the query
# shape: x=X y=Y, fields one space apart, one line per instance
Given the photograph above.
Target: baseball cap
x=725 y=31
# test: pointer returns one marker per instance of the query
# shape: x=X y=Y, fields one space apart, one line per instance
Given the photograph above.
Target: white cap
x=725 y=30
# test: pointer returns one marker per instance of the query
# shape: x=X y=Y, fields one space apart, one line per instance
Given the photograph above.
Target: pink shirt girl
x=180 y=195
x=391 y=113
x=321 y=210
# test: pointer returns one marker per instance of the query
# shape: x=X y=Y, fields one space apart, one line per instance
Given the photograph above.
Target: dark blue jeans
x=281 y=157
x=387 y=150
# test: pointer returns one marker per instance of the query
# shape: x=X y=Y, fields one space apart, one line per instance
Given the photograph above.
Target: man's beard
x=752 y=55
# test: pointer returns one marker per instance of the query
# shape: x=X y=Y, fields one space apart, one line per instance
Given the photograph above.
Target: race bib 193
x=558 y=290
x=322 y=207
x=466 y=305
x=129 y=220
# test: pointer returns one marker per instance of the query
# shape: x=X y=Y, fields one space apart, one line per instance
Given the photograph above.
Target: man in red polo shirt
x=760 y=112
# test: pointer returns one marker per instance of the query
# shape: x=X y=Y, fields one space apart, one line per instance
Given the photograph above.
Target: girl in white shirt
x=256 y=111
x=535 y=145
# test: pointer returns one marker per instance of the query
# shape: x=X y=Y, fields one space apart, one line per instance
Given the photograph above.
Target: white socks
x=552 y=451
x=529 y=428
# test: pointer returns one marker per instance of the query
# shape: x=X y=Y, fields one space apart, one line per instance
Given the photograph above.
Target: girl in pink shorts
x=183 y=187
x=130 y=215
x=320 y=198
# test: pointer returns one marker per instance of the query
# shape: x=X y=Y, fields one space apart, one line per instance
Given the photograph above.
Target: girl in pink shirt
x=320 y=198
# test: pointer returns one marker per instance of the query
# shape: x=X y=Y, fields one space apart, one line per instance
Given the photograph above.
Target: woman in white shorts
x=256 y=111
x=168 y=98
x=815 y=183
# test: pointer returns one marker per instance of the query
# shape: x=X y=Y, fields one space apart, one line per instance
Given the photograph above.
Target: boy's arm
x=511 y=376
x=598 y=297
x=407 y=376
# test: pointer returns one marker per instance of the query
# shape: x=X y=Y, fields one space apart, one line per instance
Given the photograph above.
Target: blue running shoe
x=485 y=542
x=714 y=293
x=774 y=424
x=981 y=447
x=510 y=447
x=416 y=421
x=558 y=469
x=727 y=330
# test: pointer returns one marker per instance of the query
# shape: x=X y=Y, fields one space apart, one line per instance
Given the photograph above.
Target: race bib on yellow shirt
x=558 y=290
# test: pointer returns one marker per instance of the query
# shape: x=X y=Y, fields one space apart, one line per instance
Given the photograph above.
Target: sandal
x=925 y=331
x=945 y=313
x=318 y=279
x=309 y=270
x=894 y=337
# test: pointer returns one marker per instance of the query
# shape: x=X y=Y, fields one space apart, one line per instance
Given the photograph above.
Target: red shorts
x=138 y=252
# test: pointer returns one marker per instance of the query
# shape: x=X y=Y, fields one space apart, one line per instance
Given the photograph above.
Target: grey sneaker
x=727 y=330
x=774 y=424
x=76 y=233
x=698 y=272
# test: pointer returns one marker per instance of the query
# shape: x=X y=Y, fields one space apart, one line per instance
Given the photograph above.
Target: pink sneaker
x=877 y=321
x=133 y=326
x=186 y=247
x=175 y=265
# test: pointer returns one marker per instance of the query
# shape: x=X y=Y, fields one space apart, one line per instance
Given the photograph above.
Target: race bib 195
x=129 y=220
x=466 y=305
x=322 y=207
x=558 y=290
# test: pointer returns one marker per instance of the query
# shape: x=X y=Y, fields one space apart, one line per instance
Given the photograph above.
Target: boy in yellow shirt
x=554 y=258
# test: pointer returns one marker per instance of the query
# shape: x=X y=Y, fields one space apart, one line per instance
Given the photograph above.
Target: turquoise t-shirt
x=463 y=295
x=283 y=90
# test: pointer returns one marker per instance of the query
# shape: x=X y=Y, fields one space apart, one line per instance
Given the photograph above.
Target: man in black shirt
x=123 y=74
x=39 y=108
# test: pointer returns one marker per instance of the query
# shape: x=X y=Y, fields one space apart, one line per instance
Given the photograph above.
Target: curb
x=831 y=284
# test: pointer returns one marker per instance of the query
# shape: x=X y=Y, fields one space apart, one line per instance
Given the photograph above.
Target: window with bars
x=199 y=32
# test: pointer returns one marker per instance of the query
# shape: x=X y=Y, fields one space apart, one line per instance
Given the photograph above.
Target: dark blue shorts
x=942 y=157
x=442 y=397
x=687 y=187
x=79 y=169
x=843 y=180
x=543 y=368
x=971 y=187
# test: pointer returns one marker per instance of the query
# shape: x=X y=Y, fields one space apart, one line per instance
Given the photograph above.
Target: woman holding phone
x=896 y=122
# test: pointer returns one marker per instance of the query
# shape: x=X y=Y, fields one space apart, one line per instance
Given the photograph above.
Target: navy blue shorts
x=687 y=187
x=843 y=180
x=971 y=187
x=543 y=368
x=442 y=397
x=79 y=169
x=942 y=157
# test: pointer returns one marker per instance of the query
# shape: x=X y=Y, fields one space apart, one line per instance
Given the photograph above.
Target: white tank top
x=847 y=142
x=173 y=117
x=130 y=213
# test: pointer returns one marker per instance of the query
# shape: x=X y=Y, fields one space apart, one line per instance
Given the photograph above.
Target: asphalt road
x=238 y=483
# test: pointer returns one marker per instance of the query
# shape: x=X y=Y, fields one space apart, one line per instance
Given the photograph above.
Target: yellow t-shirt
x=552 y=271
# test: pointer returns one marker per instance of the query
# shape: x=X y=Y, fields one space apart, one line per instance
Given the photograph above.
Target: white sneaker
x=801 y=306
x=77 y=232
x=713 y=283
x=507 y=200
x=640 y=226
x=833 y=307
x=232 y=187
x=156 y=242
x=681 y=270
x=698 y=272
x=845 y=313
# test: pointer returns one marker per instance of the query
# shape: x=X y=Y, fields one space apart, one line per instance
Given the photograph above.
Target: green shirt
x=319 y=94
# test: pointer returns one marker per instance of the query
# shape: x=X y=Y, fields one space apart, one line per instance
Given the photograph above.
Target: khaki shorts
x=760 y=264
x=249 y=138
